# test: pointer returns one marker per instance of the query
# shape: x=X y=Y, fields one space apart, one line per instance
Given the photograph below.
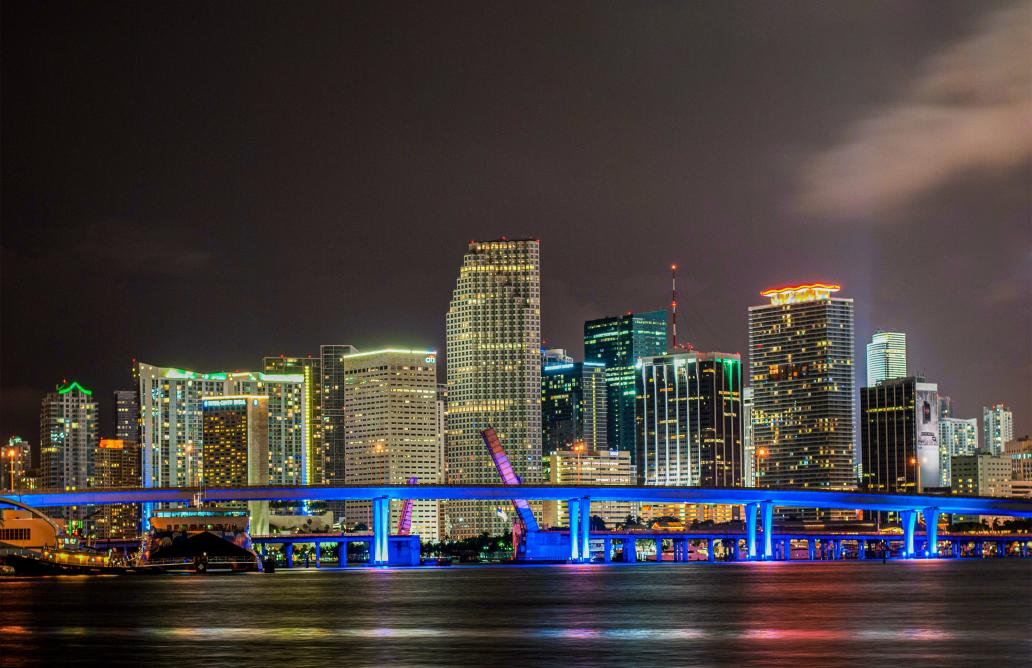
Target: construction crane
x=524 y=521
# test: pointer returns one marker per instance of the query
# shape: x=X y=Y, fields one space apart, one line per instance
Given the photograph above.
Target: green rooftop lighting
x=74 y=385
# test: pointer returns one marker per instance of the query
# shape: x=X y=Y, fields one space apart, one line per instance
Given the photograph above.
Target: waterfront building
x=981 y=474
x=957 y=436
x=802 y=374
x=116 y=463
x=68 y=436
x=127 y=415
x=997 y=428
x=886 y=357
x=391 y=431
x=15 y=464
x=289 y=451
x=172 y=445
x=1020 y=453
x=574 y=398
x=619 y=342
x=589 y=467
x=235 y=433
x=310 y=368
x=899 y=436
x=494 y=373
x=749 y=463
x=331 y=363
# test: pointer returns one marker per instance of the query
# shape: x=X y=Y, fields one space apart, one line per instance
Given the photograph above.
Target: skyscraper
x=956 y=437
x=801 y=369
x=15 y=464
x=310 y=368
x=172 y=442
x=886 y=357
x=619 y=342
x=494 y=372
x=899 y=436
x=390 y=423
x=689 y=420
x=127 y=415
x=574 y=398
x=997 y=428
x=68 y=437
x=236 y=453
x=332 y=368
x=748 y=448
x=116 y=463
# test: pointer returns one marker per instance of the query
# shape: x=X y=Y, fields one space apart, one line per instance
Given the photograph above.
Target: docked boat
x=198 y=540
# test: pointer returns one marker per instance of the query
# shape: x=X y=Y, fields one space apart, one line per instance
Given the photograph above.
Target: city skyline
x=339 y=216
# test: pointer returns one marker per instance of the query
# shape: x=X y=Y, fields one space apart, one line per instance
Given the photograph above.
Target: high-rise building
x=289 y=451
x=310 y=368
x=1020 y=453
x=589 y=467
x=997 y=428
x=68 y=436
x=981 y=474
x=116 y=463
x=945 y=407
x=748 y=448
x=957 y=436
x=689 y=420
x=331 y=363
x=236 y=447
x=391 y=430
x=172 y=445
x=15 y=464
x=619 y=342
x=899 y=436
x=574 y=398
x=494 y=373
x=886 y=357
x=802 y=375
x=127 y=415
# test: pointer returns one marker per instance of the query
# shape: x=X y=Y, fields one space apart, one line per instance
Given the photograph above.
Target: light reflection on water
x=949 y=613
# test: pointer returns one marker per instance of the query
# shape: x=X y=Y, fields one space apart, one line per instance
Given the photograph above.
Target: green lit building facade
x=619 y=342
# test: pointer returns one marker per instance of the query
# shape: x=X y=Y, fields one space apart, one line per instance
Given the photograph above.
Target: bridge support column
x=573 y=512
x=378 y=554
x=709 y=549
x=288 y=551
x=931 y=519
x=786 y=549
x=607 y=550
x=342 y=554
x=750 y=530
x=767 y=512
x=318 y=553
x=1024 y=548
x=734 y=549
x=811 y=549
x=861 y=549
x=585 y=529
x=630 y=550
x=659 y=549
x=955 y=548
x=836 y=549
x=909 y=519
x=1001 y=549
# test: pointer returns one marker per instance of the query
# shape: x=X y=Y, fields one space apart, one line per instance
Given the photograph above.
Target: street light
x=10 y=456
x=579 y=447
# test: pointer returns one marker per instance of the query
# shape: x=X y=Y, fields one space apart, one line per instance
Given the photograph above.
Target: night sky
x=199 y=186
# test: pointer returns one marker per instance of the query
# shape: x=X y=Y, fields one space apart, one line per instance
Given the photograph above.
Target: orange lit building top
x=806 y=292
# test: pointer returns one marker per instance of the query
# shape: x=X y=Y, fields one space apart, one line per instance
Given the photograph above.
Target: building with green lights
x=689 y=420
x=68 y=437
x=619 y=342
x=311 y=369
x=574 y=398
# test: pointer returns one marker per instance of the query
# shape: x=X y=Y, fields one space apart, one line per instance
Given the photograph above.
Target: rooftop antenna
x=673 y=302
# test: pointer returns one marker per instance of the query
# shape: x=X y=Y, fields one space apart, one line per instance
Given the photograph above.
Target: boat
x=197 y=540
x=66 y=560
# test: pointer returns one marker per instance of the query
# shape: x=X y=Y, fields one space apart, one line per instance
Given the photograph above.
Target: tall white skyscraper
x=997 y=428
x=391 y=430
x=956 y=437
x=886 y=357
x=494 y=373
x=68 y=437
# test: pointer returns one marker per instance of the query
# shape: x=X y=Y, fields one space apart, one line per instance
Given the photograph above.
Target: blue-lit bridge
x=575 y=544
